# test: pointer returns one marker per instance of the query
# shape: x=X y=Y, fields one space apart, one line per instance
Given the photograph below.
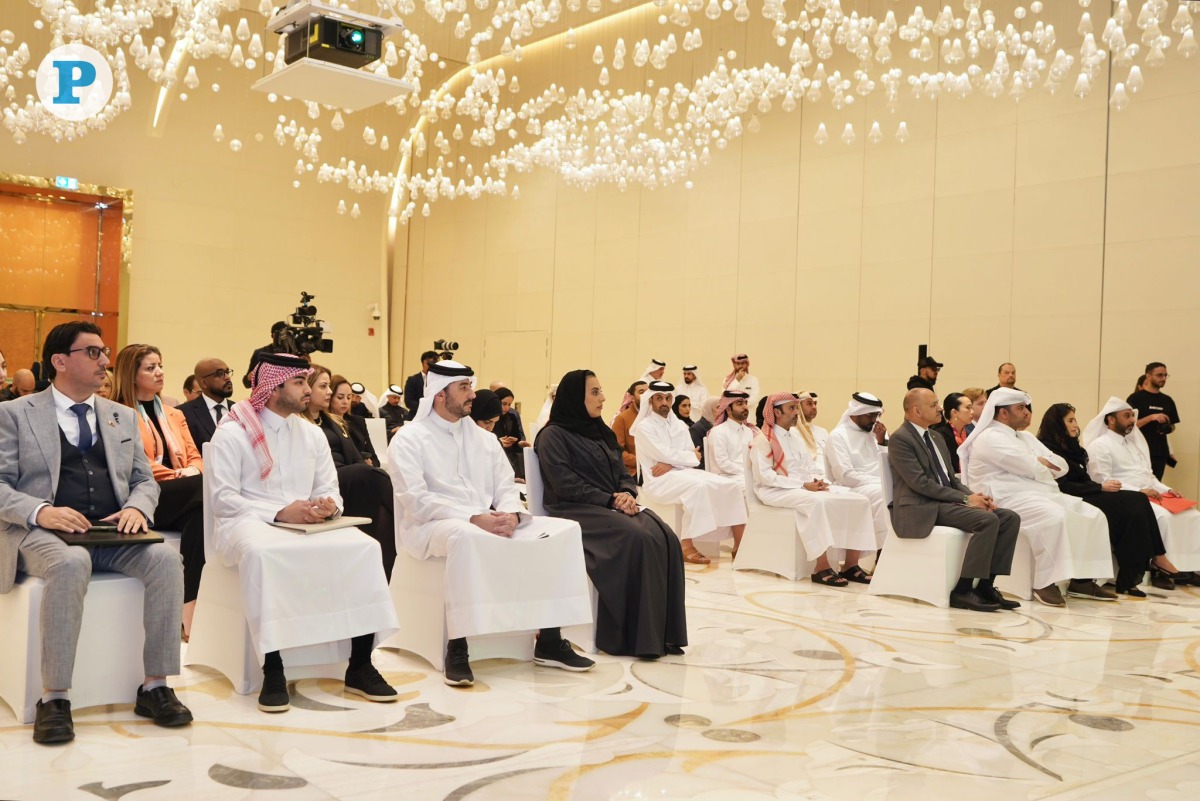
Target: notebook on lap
x=106 y=534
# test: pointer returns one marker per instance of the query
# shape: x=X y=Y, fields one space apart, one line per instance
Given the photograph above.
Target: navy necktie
x=85 y=431
x=943 y=479
x=220 y=407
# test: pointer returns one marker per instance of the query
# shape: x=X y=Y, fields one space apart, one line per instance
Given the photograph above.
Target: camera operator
x=280 y=343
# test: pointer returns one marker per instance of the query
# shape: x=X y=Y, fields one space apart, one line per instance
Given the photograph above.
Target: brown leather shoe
x=1050 y=596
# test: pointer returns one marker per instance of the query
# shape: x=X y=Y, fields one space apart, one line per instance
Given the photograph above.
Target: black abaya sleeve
x=563 y=483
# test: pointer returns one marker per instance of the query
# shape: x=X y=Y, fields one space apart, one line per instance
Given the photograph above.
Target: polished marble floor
x=787 y=691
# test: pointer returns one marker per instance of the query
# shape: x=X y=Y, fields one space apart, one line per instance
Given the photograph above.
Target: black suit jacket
x=199 y=419
x=916 y=490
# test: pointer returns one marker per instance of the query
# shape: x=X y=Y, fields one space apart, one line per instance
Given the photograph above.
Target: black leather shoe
x=53 y=723
x=991 y=595
x=161 y=706
x=971 y=600
x=274 y=694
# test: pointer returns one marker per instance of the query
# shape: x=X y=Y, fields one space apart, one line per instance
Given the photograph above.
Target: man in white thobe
x=267 y=464
x=667 y=460
x=694 y=388
x=815 y=437
x=740 y=379
x=852 y=455
x=730 y=437
x=1068 y=538
x=1117 y=451
x=457 y=499
x=827 y=517
x=654 y=371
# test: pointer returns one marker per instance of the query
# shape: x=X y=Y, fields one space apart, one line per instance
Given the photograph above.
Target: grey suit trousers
x=66 y=570
x=993 y=538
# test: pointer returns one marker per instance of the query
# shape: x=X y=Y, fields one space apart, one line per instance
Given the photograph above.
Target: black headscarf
x=675 y=408
x=486 y=406
x=570 y=412
x=760 y=410
x=1053 y=434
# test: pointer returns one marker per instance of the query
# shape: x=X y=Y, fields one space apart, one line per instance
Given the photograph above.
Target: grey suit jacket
x=916 y=491
x=30 y=454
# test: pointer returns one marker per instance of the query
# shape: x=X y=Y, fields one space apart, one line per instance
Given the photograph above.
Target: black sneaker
x=366 y=682
x=560 y=654
x=274 y=696
x=457 y=672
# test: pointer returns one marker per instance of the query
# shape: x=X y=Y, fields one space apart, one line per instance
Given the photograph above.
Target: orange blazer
x=188 y=455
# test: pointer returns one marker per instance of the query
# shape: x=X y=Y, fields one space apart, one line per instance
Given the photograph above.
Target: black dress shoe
x=53 y=723
x=971 y=600
x=991 y=595
x=161 y=706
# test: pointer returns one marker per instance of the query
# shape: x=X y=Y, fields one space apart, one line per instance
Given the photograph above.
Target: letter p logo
x=74 y=82
x=72 y=75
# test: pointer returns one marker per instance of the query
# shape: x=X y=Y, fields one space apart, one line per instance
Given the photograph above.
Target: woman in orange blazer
x=137 y=382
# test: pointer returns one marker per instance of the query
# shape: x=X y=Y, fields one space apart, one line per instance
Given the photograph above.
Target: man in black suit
x=926 y=494
x=414 y=385
x=214 y=379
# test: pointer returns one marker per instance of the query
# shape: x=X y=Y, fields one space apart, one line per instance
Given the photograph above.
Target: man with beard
x=852 y=455
x=268 y=465
x=1157 y=417
x=731 y=434
x=927 y=373
x=214 y=379
x=457 y=499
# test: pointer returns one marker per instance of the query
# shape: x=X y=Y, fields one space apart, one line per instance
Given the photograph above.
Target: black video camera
x=306 y=334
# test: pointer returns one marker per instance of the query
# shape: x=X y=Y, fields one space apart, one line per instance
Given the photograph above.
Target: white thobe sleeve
x=1005 y=454
x=839 y=452
x=1043 y=452
x=325 y=481
x=506 y=497
x=654 y=444
x=226 y=455
x=728 y=458
x=406 y=465
x=765 y=474
x=1100 y=462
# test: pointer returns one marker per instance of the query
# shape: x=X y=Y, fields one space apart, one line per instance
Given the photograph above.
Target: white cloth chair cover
x=772 y=541
x=924 y=569
x=108 y=659
x=377 y=431
x=220 y=637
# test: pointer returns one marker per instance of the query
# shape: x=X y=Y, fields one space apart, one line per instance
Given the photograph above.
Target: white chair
x=377 y=431
x=220 y=636
x=772 y=540
x=584 y=636
x=108 y=659
x=925 y=569
x=1019 y=581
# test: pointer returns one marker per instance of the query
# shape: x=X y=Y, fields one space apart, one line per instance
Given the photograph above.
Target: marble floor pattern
x=787 y=691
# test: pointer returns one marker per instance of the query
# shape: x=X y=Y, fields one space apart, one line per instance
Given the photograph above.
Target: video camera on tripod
x=306 y=334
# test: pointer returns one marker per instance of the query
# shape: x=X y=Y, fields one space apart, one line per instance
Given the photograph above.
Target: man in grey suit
x=926 y=493
x=69 y=460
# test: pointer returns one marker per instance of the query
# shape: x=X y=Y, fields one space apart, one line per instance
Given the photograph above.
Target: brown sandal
x=694 y=557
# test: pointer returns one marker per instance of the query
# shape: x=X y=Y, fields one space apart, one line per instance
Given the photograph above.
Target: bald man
x=214 y=379
x=23 y=384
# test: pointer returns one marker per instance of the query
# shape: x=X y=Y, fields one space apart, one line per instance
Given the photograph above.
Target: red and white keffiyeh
x=768 y=430
x=267 y=376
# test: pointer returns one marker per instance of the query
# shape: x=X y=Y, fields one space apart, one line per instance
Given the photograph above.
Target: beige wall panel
x=1148 y=135
x=896 y=173
x=832 y=183
x=897 y=231
x=1153 y=204
x=1062 y=148
x=830 y=238
x=1049 y=280
x=1065 y=213
x=1149 y=277
x=979 y=223
x=974 y=161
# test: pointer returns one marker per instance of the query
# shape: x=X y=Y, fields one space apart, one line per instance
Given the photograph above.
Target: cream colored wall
x=223 y=243
x=1051 y=233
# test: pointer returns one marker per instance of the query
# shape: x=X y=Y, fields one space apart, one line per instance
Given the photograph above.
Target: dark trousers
x=367 y=492
x=1159 y=465
x=181 y=508
x=992 y=542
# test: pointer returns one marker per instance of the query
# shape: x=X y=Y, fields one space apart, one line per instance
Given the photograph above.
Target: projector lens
x=351 y=38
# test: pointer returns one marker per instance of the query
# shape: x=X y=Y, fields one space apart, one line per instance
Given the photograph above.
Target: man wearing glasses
x=214 y=379
x=70 y=460
x=1157 y=417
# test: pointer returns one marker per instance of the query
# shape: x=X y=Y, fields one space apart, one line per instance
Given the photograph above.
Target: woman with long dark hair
x=174 y=459
x=634 y=559
x=1132 y=527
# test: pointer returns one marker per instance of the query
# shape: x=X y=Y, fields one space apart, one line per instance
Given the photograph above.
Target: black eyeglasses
x=92 y=352
x=218 y=374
